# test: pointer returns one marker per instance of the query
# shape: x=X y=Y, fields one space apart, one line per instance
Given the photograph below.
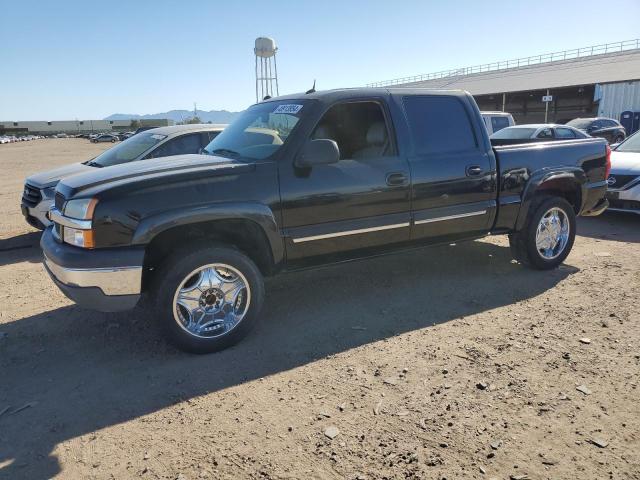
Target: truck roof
x=345 y=93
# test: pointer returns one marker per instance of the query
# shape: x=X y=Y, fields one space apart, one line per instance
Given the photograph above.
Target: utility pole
x=195 y=110
x=546 y=108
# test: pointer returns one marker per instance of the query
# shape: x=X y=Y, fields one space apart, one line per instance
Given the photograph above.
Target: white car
x=496 y=121
x=39 y=189
x=623 y=192
x=535 y=132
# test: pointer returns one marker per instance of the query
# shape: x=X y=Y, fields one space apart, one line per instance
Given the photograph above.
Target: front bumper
x=627 y=200
x=37 y=216
x=106 y=280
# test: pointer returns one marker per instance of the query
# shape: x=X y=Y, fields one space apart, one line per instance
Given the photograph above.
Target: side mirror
x=321 y=151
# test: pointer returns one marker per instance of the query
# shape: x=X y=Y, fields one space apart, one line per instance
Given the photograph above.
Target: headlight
x=81 y=208
x=79 y=238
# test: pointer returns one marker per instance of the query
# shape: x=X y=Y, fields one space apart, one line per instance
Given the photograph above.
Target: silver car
x=623 y=191
x=38 y=194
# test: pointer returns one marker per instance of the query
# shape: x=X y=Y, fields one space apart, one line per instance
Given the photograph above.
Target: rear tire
x=216 y=270
x=534 y=245
x=618 y=139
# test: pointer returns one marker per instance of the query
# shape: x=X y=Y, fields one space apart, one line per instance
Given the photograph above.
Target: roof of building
x=597 y=64
x=607 y=68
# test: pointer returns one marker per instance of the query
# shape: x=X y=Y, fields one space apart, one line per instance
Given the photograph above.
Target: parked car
x=357 y=172
x=606 y=128
x=37 y=197
x=624 y=182
x=105 y=137
x=539 y=132
x=496 y=121
x=124 y=135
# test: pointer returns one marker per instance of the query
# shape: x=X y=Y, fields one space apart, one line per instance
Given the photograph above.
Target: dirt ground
x=444 y=363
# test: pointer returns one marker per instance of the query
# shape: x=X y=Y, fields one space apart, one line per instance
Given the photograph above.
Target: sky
x=64 y=60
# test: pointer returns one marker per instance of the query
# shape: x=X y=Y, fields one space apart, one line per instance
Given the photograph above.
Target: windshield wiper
x=94 y=164
x=225 y=152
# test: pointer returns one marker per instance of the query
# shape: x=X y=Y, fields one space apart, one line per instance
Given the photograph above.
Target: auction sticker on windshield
x=289 y=108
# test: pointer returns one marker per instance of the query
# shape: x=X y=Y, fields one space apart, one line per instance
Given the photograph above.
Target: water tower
x=267 y=72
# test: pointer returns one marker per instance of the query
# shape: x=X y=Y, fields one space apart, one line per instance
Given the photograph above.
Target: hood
x=51 y=177
x=625 y=163
x=195 y=165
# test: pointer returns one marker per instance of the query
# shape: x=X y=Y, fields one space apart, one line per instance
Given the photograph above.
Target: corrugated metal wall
x=615 y=98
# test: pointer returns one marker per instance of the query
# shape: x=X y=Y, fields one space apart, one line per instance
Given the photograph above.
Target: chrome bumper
x=112 y=281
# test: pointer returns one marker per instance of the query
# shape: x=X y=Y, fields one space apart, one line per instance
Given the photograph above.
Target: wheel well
x=246 y=235
x=565 y=188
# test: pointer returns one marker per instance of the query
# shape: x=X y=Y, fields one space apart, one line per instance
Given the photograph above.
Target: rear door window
x=498 y=123
x=545 y=133
x=184 y=144
x=439 y=124
x=565 y=133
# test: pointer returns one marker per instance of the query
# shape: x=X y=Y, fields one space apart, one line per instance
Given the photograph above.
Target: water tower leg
x=275 y=69
x=257 y=100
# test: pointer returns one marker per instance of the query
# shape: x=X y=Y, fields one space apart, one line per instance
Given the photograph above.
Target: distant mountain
x=213 y=116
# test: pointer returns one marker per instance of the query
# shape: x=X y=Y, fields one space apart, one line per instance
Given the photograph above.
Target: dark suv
x=606 y=128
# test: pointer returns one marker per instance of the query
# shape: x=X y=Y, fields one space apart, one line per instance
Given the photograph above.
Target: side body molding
x=255 y=212
x=537 y=180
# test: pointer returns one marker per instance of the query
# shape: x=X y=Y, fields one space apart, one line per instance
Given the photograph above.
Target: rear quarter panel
x=525 y=168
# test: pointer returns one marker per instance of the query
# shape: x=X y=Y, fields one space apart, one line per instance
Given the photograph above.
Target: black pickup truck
x=304 y=180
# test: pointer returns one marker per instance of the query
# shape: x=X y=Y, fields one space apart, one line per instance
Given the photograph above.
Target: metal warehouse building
x=76 y=126
x=603 y=80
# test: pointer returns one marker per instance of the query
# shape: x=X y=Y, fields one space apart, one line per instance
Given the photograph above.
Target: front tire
x=548 y=235
x=208 y=299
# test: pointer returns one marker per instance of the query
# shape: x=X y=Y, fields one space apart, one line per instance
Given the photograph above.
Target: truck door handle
x=474 y=170
x=397 y=178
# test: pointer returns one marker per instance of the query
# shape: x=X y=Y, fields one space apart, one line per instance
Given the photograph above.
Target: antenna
x=313 y=89
x=265 y=51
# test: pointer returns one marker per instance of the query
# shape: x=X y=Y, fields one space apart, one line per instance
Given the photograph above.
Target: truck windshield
x=513 y=133
x=632 y=144
x=259 y=131
x=128 y=150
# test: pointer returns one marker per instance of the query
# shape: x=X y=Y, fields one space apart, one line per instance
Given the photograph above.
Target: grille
x=621 y=180
x=31 y=195
x=59 y=201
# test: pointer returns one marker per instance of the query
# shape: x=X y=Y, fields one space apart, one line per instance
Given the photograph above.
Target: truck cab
x=306 y=180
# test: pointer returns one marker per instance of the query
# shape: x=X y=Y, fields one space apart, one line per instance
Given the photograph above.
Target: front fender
x=538 y=180
x=258 y=213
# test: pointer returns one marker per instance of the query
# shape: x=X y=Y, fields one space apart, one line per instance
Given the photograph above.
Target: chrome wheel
x=552 y=234
x=211 y=301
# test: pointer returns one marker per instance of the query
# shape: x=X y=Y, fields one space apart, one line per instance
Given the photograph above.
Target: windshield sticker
x=157 y=136
x=292 y=109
